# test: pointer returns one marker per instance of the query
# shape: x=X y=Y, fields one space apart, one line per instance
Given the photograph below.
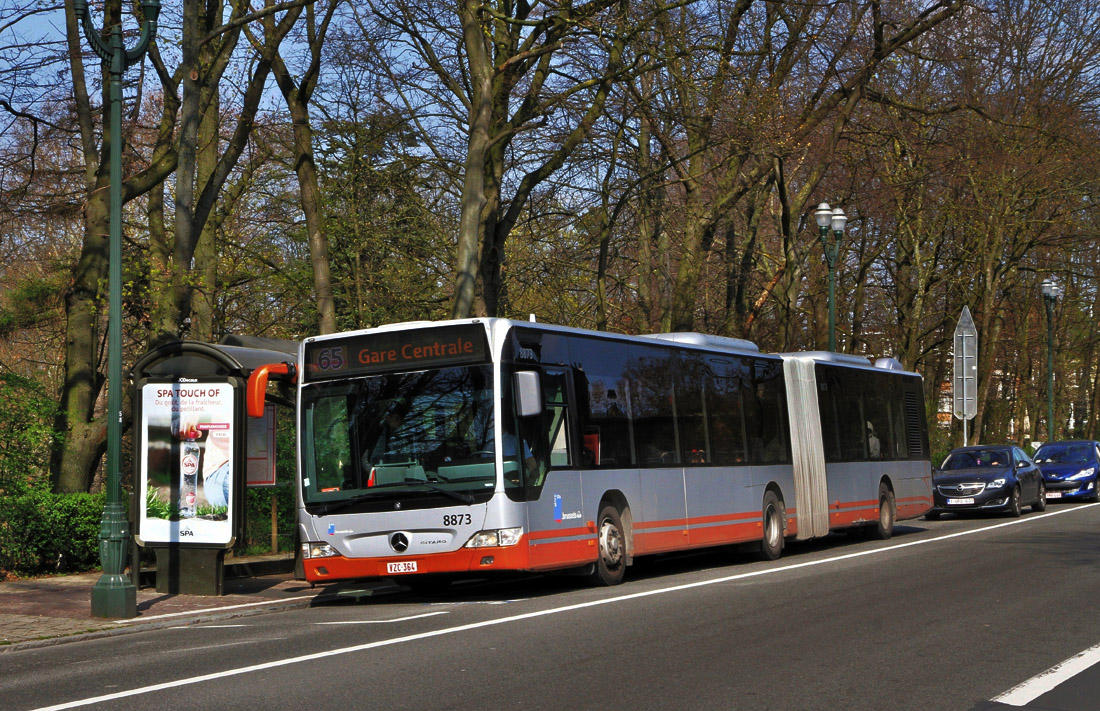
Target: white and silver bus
x=461 y=448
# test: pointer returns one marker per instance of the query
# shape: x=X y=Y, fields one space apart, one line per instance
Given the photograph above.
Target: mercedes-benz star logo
x=399 y=542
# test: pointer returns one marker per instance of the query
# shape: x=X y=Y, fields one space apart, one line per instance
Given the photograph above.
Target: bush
x=26 y=434
x=42 y=532
x=257 y=518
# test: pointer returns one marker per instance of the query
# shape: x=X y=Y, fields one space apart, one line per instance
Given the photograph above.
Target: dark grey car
x=987 y=478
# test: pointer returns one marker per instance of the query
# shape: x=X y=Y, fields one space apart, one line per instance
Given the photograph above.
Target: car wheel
x=1041 y=503
x=932 y=516
x=1014 y=507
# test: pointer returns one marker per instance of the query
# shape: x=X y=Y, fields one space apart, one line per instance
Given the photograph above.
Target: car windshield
x=1064 y=454
x=428 y=433
x=975 y=459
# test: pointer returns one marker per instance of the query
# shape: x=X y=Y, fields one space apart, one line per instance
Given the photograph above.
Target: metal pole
x=832 y=304
x=1050 y=366
x=114 y=595
x=830 y=261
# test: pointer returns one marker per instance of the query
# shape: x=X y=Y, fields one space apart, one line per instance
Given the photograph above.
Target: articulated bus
x=461 y=448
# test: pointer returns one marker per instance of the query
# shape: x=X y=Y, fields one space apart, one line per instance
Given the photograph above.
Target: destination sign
x=396 y=350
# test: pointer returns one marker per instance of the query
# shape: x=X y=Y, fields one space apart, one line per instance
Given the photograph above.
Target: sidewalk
x=52 y=610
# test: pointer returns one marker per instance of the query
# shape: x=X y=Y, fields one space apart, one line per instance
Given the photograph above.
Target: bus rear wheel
x=611 y=564
x=771 y=545
x=887 y=512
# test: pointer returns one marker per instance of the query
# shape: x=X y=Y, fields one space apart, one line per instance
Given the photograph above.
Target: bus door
x=558 y=531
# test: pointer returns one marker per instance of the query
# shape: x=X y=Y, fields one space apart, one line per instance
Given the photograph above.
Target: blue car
x=1070 y=469
x=998 y=478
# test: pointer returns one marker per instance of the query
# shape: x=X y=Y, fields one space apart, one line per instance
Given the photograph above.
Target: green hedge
x=26 y=434
x=42 y=532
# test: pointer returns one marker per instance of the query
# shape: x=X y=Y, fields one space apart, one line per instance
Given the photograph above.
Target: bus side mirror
x=528 y=393
x=257 y=385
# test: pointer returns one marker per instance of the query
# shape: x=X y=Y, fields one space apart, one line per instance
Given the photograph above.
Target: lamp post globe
x=838 y=221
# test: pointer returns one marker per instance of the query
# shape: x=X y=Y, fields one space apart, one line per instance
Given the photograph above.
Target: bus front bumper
x=464 y=560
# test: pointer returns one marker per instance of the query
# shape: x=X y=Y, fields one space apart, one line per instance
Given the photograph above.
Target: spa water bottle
x=189 y=475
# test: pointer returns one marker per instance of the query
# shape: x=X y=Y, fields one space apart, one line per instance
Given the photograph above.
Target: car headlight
x=1084 y=473
x=495 y=539
x=318 y=550
x=995 y=484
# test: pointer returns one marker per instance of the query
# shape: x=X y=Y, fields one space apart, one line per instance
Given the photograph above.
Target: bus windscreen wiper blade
x=344 y=503
x=456 y=495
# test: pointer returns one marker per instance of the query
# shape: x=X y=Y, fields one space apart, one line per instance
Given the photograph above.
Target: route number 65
x=330 y=358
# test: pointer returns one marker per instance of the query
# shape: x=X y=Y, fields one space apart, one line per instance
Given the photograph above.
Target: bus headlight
x=495 y=539
x=318 y=550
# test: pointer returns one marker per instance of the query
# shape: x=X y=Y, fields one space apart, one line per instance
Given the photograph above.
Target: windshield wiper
x=344 y=503
x=457 y=496
x=387 y=488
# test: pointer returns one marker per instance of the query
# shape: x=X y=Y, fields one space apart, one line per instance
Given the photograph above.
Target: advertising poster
x=260 y=449
x=186 y=468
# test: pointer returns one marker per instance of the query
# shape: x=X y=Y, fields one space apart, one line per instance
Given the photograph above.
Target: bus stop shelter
x=194 y=450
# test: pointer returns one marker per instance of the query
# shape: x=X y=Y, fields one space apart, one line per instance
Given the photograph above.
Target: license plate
x=960 y=502
x=405 y=566
x=1054 y=494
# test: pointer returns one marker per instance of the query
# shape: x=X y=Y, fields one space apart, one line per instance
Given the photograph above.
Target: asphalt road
x=947 y=615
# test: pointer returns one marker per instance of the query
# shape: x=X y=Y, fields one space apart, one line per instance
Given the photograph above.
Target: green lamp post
x=835 y=218
x=1051 y=291
x=113 y=594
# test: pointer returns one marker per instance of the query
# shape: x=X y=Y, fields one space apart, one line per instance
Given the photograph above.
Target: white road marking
x=533 y=615
x=204 y=627
x=381 y=622
x=204 y=611
x=1036 y=686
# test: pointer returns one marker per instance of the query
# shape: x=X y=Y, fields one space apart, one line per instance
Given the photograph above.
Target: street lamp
x=835 y=218
x=1051 y=292
x=113 y=594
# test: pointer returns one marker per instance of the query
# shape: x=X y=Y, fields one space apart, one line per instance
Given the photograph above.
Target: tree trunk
x=477 y=149
x=84 y=437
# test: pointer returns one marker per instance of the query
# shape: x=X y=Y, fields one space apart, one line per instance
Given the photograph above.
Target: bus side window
x=690 y=388
x=830 y=432
x=555 y=420
x=878 y=393
x=559 y=443
x=765 y=413
x=850 y=420
x=725 y=425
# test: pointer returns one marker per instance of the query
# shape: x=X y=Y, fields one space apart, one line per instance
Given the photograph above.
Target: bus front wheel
x=771 y=545
x=611 y=564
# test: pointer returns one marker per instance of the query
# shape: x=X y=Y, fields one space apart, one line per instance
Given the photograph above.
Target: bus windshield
x=426 y=434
